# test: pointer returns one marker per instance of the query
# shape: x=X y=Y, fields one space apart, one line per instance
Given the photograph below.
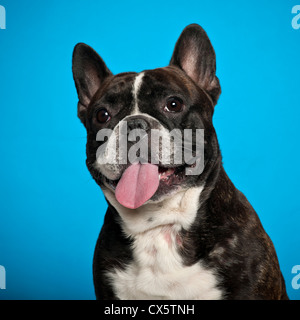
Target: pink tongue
x=138 y=184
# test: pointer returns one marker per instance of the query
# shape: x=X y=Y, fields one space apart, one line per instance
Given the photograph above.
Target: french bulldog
x=167 y=233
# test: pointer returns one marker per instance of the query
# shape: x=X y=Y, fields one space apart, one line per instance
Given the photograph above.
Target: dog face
x=135 y=107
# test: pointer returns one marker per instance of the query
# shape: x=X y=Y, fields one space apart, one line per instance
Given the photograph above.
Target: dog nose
x=137 y=123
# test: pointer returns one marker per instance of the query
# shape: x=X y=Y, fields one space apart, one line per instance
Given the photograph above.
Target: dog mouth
x=166 y=175
x=142 y=182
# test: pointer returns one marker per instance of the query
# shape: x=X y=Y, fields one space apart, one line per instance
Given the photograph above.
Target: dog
x=168 y=234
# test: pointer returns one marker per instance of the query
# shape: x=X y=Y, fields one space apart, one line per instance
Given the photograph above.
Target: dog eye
x=102 y=115
x=174 y=105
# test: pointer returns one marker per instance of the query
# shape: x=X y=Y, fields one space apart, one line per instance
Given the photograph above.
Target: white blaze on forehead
x=135 y=89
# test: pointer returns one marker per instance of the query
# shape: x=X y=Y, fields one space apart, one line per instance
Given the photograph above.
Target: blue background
x=51 y=210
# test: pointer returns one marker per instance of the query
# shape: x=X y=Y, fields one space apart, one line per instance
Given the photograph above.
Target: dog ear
x=89 y=71
x=195 y=55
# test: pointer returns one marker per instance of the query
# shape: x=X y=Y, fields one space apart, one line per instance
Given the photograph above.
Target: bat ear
x=89 y=72
x=195 y=55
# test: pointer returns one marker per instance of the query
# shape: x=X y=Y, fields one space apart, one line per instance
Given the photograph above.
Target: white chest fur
x=157 y=270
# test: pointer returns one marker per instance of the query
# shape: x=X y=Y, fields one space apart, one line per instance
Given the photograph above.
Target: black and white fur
x=196 y=238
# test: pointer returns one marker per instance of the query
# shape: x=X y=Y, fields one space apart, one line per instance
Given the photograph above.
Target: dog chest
x=157 y=271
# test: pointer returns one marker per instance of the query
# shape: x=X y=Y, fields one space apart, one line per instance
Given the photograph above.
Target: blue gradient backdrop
x=51 y=210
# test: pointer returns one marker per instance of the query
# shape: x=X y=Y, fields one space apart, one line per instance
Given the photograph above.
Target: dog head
x=144 y=129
